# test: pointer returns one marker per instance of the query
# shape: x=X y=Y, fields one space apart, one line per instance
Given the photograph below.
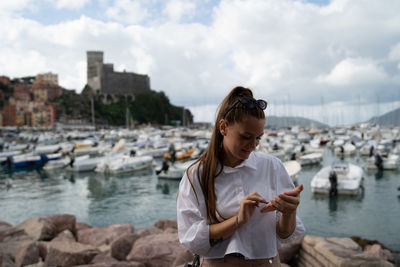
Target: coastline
x=59 y=240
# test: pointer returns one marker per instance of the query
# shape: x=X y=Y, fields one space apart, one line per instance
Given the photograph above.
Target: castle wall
x=104 y=80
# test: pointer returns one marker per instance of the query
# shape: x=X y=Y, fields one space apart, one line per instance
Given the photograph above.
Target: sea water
x=142 y=199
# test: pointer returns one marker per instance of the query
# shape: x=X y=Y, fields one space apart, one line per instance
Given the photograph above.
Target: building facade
x=108 y=83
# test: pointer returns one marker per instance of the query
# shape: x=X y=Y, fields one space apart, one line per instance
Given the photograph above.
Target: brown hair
x=209 y=160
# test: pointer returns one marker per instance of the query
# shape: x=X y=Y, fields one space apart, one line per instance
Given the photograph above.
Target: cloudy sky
x=336 y=61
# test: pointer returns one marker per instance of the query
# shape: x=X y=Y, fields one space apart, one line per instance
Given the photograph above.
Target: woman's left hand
x=286 y=202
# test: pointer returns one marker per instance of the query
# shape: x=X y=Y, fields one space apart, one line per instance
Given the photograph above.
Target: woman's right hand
x=247 y=207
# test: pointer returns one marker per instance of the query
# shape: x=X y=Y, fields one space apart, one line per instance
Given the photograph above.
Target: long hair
x=211 y=161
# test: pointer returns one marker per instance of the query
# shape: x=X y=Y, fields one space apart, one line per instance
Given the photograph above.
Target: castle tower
x=94 y=69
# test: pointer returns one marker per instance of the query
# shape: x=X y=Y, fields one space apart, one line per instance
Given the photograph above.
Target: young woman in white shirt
x=235 y=206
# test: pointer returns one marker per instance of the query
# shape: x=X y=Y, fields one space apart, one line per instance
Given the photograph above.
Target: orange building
x=10 y=115
x=22 y=91
x=5 y=80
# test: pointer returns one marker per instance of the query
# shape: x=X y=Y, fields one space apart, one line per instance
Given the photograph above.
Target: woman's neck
x=229 y=160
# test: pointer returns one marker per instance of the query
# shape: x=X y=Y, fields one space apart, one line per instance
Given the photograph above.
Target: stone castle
x=110 y=84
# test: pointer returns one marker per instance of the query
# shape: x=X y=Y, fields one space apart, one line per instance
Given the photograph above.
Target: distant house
x=110 y=84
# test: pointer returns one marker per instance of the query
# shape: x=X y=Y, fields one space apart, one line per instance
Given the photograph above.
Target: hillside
x=278 y=122
x=148 y=107
x=391 y=118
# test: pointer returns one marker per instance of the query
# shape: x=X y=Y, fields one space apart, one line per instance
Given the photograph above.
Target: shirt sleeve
x=193 y=229
x=284 y=184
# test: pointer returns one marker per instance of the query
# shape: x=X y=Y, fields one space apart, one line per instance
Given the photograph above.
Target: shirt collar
x=249 y=162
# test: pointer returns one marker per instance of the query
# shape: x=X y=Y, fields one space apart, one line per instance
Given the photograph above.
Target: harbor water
x=141 y=199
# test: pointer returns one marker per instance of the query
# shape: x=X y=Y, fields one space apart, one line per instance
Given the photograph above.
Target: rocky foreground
x=60 y=240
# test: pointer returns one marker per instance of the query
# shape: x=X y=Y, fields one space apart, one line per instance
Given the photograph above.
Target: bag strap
x=196 y=261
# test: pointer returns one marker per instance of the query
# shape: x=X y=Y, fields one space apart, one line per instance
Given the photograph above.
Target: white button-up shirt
x=257 y=239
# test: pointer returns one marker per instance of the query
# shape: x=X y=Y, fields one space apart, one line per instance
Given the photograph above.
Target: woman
x=233 y=205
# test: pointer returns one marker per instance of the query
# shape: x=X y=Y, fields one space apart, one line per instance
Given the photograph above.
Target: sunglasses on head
x=249 y=103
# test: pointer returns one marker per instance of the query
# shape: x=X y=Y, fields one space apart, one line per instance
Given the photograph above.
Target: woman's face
x=240 y=139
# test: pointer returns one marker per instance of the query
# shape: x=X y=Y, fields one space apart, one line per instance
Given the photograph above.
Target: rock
x=163 y=224
x=121 y=247
x=100 y=236
x=346 y=243
x=157 y=249
x=171 y=231
x=6 y=260
x=149 y=231
x=38 y=264
x=27 y=253
x=43 y=246
x=64 y=236
x=69 y=254
x=81 y=225
x=377 y=251
x=4 y=227
x=117 y=264
x=13 y=240
x=102 y=258
x=288 y=251
x=319 y=251
x=38 y=228
x=63 y=222
x=182 y=258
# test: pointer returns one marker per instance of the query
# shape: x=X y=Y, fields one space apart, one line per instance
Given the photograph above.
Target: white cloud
x=281 y=49
x=394 y=53
x=176 y=9
x=127 y=12
x=354 y=72
x=14 y=5
x=71 y=4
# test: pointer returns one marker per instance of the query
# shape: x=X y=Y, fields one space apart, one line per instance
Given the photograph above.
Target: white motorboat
x=293 y=168
x=389 y=162
x=62 y=162
x=347 y=149
x=46 y=149
x=174 y=171
x=84 y=165
x=343 y=177
x=311 y=158
x=124 y=164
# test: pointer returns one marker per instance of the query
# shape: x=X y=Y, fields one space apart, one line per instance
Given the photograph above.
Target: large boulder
x=377 y=251
x=4 y=227
x=149 y=231
x=6 y=260
x=63 y=222
x=69 y=254
x=27 y=253
x=157 y=249
x=103 y=236
x=64 y=236
x=163 y=224
x=13 y=240
x=121 y=247
x=320 y=251
x=38 y=228
x=289 y=251
x=81 y=225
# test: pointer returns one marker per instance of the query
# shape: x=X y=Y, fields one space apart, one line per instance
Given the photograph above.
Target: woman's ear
x=223 y=127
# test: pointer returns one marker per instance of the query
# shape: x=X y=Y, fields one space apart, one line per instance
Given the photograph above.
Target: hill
x=278 y=122
x=391 y=118
x=148 y=107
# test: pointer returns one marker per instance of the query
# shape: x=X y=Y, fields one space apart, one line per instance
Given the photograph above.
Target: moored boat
x=341 y=178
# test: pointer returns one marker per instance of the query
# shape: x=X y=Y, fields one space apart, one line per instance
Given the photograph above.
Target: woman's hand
x=248 y=206
x=286 y=202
